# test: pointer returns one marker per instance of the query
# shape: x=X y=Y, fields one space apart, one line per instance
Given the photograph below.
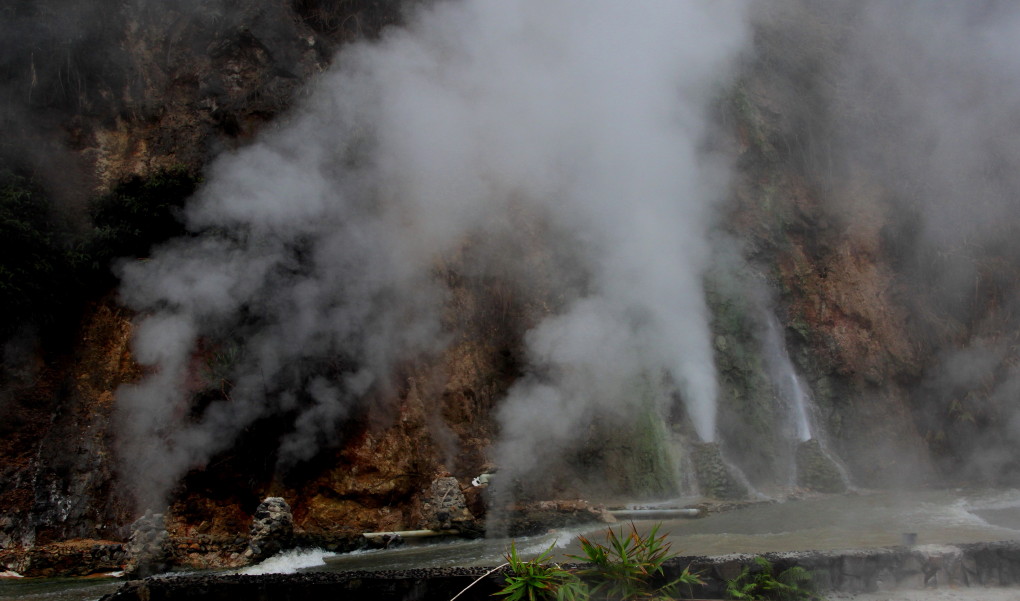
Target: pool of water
x=57 y=589
x=876 y=519
x=870 y=519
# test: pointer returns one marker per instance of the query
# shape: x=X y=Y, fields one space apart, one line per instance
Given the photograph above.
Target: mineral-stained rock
x=272 y=529
x=67 y=558
x=523 y=519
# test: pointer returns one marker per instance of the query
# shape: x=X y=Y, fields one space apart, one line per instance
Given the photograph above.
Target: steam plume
x=921 y=100
x=312 y=250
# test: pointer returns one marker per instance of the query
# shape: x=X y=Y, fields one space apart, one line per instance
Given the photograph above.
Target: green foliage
x=36 y=271
x=536 y=580
x=137 y=214
x=631 y=566
x=760 y=583
x=47 y=272
x=628 y=568
x=633 y=455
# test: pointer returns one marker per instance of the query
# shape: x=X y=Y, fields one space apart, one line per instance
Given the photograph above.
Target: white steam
x=313 y=251
x=926 y=103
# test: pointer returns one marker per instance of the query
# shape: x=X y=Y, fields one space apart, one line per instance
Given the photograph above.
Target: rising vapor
x=312 y=252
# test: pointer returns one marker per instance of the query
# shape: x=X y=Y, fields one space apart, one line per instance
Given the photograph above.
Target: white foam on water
x=1001 y=499
x=10 y=574
x=953 y=514
x=289 y=562
x=556 y=539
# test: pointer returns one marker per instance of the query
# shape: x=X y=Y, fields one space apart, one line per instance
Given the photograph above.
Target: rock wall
x=155 y=86
x=57 y=445
x=175 y=85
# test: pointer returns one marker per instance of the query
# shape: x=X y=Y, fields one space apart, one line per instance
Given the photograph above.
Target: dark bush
x=139 y=213
x=47 y=273
x=36 y=268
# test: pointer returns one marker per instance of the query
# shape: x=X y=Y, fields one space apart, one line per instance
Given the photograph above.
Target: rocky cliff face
x=104 y=92
x=822 y=248
x=118 y=89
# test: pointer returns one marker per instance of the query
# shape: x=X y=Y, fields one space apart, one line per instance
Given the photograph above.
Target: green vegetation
x=635 y=452
x=537 y=579
x=751 y=123
x=137 y=214
x=36 y=269
x=48 y=270
x=632 y=452
x=749 y=408
x=760 y=583
x=630 y=567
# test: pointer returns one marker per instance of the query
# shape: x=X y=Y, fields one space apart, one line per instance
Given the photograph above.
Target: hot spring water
x=877 y=519
x=826 y=523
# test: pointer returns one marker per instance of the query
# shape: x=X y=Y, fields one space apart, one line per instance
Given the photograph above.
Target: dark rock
x=816 y=470
x=714 y=477
x=446 y=508
x=68 y=558
x=524 y=519
x=148 y=550
x=272 y=530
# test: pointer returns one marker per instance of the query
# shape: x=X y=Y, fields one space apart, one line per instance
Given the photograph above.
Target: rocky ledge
x=931 y=566
x=67 y=558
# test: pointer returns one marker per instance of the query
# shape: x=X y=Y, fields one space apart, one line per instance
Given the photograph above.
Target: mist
x=310 y=264
x=919 y=101
x=942 y=80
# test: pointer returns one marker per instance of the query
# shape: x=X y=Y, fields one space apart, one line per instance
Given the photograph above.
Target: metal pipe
x=655 y=514
x=408 y=534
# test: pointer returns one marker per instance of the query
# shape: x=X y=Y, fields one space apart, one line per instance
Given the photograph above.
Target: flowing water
x=57 y=589
x=874 y=519
x=786 y=379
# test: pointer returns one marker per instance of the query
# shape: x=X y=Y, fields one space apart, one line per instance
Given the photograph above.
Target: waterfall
x=814 y=466
x=790 y=387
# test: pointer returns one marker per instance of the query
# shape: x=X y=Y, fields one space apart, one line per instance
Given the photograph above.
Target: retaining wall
x=927 y=566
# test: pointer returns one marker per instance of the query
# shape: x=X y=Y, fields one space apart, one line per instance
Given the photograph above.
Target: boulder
x=446 y=507
x=714 y=476
x=148 y=549
x=272 y=529
x=816 y=470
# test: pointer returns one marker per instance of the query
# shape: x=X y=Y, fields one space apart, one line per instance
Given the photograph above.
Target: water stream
x=874 y=519
x=57 y=589
x=784 y=375
x=871 y=519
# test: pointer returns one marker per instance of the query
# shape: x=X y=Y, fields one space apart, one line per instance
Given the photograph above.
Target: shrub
x=137 y=214
x=759 y=583
x=628 y=568
x=535 y=580
x=631 y=566
x=36 y=270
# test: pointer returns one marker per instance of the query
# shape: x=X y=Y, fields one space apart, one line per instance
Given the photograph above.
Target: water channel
x=867 y=519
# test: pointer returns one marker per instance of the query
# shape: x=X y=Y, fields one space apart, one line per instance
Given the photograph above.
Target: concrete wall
x=927 y=566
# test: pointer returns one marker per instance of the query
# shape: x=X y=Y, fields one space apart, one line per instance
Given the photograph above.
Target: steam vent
x=816 y=470
x=715 y=478
x=283 y=280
